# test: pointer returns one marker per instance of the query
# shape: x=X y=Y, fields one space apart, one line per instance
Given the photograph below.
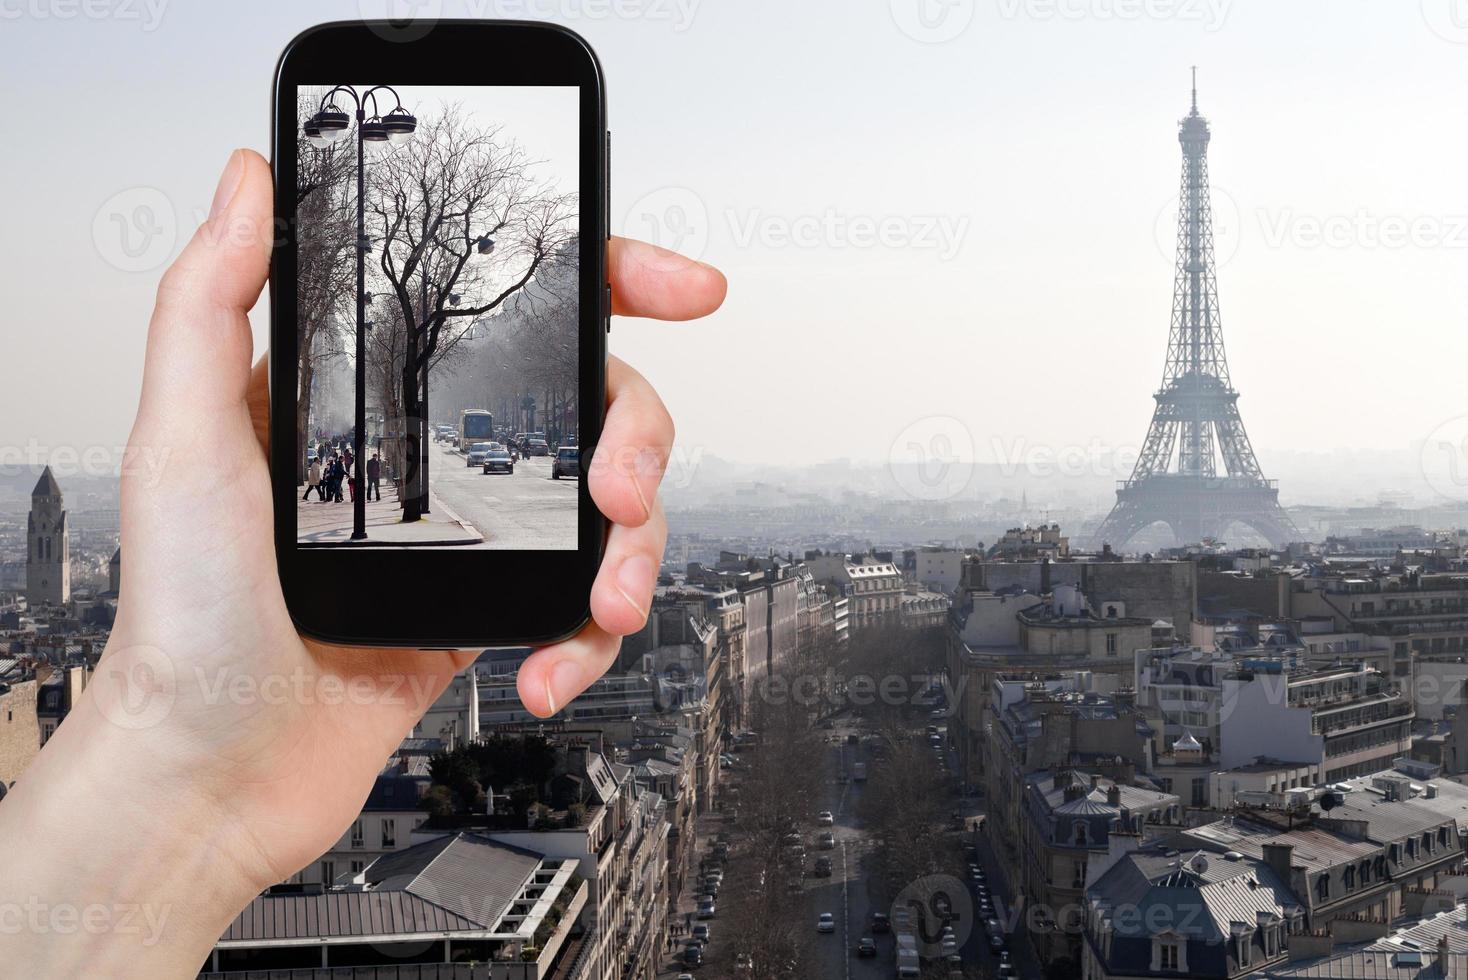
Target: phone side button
x=606 y=305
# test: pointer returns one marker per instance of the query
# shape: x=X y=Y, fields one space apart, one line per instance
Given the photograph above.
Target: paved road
x=526 y=510
x=844 y=894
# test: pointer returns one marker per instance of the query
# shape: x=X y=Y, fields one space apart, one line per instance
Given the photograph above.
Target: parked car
x=706 y=907
x=826 y=923
x=823 y=867
x=825 y=818
x=566 y=463
x=826 y=841
x=499 y=460
x=693 y=955
x=701 y=932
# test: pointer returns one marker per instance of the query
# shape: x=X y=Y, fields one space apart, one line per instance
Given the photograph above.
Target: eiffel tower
x=1178 y=480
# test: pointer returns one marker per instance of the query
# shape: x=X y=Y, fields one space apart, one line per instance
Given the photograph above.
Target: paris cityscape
x=968 y=707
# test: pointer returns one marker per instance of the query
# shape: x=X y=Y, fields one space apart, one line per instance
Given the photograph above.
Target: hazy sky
x=914 y=225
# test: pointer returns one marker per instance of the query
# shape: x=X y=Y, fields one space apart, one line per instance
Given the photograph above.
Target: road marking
x=845 y=912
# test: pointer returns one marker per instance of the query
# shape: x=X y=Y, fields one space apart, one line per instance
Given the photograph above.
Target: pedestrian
x=338 y=472
x=374 y=475
x=313 y=481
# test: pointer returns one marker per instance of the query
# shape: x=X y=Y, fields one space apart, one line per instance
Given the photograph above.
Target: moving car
x=867 y=946
x=477 y=452
x=826 y=923
x=566 y=463
x=826 y=841
x=537 y=447
x=499 y=460
x=823 y=867
x=880 y=922
x=825 y=818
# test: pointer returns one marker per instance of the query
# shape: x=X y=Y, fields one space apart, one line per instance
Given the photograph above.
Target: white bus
x=475 y=425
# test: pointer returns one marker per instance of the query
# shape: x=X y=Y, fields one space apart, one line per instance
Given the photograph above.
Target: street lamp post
x=326 y=127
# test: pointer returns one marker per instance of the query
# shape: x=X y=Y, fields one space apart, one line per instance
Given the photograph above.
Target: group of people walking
x=328 y=478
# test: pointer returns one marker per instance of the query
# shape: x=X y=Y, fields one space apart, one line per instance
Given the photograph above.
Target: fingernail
x=563 y=684
x=229 y=182
x=636 y=577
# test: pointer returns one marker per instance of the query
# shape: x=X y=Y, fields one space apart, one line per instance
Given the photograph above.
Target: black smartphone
x=439 y=310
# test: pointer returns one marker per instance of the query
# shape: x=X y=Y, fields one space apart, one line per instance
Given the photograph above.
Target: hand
x=215 y=751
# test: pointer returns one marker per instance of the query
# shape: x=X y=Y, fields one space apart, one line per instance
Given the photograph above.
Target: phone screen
x=438 y=311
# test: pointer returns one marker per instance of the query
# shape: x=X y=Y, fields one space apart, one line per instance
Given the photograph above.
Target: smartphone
x=439 y=310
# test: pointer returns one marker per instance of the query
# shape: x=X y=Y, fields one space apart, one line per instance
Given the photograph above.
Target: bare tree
x=324 y=271
x=456 y=213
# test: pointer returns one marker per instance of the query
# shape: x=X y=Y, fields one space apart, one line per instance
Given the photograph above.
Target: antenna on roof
x=1195 y=90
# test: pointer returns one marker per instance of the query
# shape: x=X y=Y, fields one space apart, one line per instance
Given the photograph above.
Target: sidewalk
x=330 y=524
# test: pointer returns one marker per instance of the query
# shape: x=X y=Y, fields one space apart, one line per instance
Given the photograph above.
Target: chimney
x=1074 y=792
x=1061 y=779
x=1444 y=952
x=1113 y=795
x=1279 y=857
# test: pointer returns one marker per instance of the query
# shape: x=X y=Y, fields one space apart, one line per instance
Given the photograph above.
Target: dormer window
x=1322 y=887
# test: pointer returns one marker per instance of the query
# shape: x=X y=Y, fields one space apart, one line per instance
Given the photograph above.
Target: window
x=357 y=833
x=1365 y=870
x=357 y=867
x=328 y=871
x=1322 y=887
x=389 y=832
x=1348 y=878
x=1442 y=836
x=1246 y=948
x=1200 y=791
x=1427 y=842
x=1168 y=958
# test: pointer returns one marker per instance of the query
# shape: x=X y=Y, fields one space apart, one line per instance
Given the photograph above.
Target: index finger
x=650 y=281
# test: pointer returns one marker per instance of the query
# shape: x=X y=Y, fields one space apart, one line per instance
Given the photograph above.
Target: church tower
x=48 y=558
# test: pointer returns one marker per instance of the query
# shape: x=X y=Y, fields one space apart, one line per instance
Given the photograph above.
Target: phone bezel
x=447 y=597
